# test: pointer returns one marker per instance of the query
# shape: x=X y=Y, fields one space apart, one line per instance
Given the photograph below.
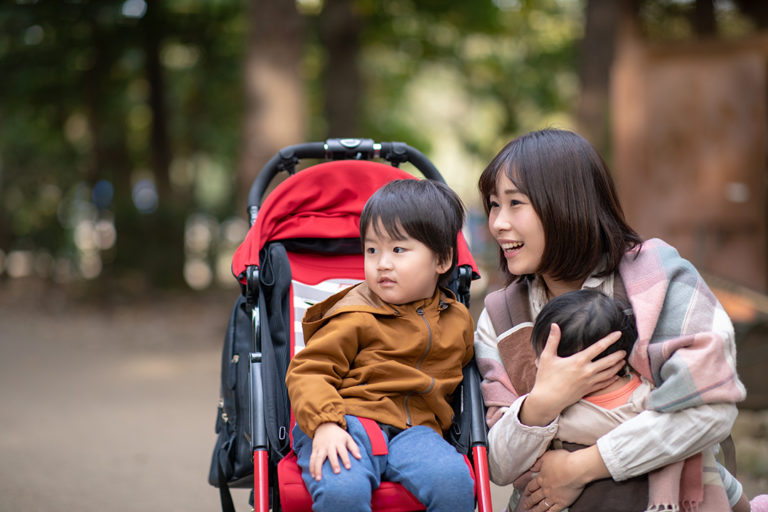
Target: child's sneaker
x=759 y=503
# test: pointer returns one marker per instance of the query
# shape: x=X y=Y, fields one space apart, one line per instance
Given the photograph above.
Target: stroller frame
x=286 y=160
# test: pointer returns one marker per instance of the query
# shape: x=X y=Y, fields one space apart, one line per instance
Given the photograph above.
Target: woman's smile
x=511 y=248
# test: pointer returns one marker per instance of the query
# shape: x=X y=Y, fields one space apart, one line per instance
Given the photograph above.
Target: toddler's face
x=400 y=271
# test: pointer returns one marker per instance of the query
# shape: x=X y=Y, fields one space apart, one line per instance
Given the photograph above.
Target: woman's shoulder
x=509 y=306
x=656 y=256
x=649 y=246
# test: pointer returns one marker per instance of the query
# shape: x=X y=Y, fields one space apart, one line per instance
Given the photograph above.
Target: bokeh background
x=131 y=130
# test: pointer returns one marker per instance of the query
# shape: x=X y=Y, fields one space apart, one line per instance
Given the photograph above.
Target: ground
x=109 y=403
x=108 y=406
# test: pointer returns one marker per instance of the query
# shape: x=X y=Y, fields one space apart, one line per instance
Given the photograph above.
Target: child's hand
x=331 y=442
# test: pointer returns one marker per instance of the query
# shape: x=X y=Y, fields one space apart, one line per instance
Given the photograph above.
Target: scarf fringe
x=684 y=506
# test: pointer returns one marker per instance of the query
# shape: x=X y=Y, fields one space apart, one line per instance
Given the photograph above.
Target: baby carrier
x=302 y=246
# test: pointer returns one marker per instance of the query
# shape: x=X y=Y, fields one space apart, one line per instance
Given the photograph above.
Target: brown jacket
x=396 y=364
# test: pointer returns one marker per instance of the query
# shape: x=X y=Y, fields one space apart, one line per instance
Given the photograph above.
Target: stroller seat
x=294 y=496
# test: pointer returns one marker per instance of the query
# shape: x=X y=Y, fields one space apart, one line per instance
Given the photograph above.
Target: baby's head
x=584 y=317
x=426 y=211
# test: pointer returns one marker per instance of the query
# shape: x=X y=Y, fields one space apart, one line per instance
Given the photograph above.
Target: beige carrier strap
x=510 y=314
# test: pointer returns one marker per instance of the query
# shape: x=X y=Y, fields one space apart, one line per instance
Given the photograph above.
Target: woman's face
x=516 y=227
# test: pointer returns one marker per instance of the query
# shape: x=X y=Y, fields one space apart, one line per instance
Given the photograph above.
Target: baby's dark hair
x=584 y=317
x=428 y=211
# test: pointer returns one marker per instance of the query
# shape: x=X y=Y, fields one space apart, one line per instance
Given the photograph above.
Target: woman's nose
x=499 y=222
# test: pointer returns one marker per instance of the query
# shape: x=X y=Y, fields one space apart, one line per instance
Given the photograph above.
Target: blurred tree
x=99 y=168
x=515 y=57
x=340 y=27
x=159 y=145
x=756 y=10
x=704 y=23
x=275 y=112
x=120 y=118
x=596 y=53
x=132 y=115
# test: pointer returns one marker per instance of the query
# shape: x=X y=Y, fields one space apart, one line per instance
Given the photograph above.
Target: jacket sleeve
x=316 y=372
x=513 y=447
x=655 y=439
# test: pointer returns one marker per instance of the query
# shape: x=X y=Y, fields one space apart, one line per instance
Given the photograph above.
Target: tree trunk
x=756 y=10
x=597 y=51
x=159 y=141
x=704 y=23
x=149 y=251
x=340 y=34
x=275 y=114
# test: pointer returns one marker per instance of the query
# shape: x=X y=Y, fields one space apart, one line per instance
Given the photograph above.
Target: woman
x=553 y=209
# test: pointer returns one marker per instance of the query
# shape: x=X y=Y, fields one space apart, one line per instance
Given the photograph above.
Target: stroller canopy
x=323 y=201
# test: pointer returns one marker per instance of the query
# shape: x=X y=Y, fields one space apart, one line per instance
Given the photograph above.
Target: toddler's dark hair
x=584 y=317
x=428 y=211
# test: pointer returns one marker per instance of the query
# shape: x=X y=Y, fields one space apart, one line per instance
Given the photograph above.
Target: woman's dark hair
x=584 y=317
x=572 y=192
x=428 y=211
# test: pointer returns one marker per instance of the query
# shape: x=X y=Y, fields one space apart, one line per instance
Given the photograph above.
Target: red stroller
x=303 y=245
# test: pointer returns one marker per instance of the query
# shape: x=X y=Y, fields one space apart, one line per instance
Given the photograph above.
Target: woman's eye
x=515 y=202
x=370 y=250
x=398 y=250
x=493 y=204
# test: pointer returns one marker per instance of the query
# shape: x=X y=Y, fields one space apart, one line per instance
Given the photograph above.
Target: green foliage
x=517 y=60
x=75 y=109
x=76 y=105
x=673 y=20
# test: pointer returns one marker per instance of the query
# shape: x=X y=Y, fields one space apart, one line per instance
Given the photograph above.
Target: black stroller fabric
x=232 y=461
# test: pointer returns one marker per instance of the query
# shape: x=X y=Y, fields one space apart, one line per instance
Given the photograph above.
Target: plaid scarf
x=686 y=347
x=685 y=342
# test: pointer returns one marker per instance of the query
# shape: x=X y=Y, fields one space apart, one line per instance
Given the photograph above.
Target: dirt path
x=109 y=408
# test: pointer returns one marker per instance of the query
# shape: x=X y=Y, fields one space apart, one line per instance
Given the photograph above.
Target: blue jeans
x=419 y=459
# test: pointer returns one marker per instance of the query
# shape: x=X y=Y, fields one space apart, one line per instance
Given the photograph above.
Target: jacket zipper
x=418 y=366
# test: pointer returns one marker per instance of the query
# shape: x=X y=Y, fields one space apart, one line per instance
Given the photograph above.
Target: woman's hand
x=562 y=381
x=331 y=442
x=561 y=478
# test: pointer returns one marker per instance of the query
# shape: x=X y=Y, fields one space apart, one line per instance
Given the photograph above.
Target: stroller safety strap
x=378 y=441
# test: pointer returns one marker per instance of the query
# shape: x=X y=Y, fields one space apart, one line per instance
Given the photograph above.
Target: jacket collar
x=361 y=298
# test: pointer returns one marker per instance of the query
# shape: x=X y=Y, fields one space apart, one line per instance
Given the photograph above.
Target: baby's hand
x=331 y=442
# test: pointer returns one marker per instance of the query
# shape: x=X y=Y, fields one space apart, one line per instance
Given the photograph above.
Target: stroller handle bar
x=336 y=149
